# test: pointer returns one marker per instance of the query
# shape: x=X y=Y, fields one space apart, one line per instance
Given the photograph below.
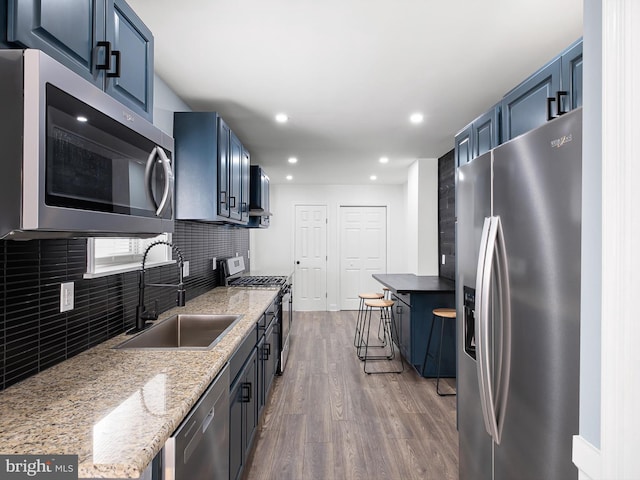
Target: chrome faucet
x=142 y=314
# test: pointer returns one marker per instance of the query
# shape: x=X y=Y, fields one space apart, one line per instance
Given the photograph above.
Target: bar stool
x=442 y=314
x=390 y=333
x=360 y=318
x=386 y=294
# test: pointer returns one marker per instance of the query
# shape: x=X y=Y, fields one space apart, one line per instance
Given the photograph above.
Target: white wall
x=165 y=102
x=273 y=248
x=422 y=217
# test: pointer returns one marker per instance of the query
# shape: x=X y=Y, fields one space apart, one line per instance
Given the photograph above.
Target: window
x=106 y=256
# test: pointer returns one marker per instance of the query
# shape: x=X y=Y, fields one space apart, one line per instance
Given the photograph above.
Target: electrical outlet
x=214 y=262
x=185 y=269
x=66 y=296
x=443 y=259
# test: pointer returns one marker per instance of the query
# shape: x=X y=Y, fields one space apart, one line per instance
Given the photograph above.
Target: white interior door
x=310 y=290
x=363 y=252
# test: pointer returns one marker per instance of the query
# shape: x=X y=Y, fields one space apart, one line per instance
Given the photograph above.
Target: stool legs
x=426 y=355
x=388 y=326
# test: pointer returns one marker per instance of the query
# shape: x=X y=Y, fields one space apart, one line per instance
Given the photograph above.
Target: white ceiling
x=350 y=72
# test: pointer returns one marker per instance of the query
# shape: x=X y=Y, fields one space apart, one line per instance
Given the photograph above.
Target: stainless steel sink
x=184 y=331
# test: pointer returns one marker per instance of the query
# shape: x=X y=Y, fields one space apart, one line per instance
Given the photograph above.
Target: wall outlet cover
x=66 y=296
x=185 y=269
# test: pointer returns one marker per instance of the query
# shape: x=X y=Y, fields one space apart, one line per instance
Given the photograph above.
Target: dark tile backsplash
x=34 y=335
x=447 y=215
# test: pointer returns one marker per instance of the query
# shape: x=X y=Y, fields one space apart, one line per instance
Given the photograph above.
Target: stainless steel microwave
x=74 y=161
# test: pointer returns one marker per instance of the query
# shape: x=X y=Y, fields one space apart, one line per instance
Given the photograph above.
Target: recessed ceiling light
x=416 y=118
x=293 y=160
x=82 y=119
x=282 y=118
x=373 y=177
x=384 y=159
x=289 y=177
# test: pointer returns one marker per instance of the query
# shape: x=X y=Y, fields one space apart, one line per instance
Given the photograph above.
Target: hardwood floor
x=327 y=419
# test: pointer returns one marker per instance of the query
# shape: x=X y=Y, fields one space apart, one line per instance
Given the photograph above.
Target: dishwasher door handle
x=208 y=419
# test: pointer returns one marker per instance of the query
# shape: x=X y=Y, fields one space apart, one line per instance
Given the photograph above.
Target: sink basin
x=184 y=331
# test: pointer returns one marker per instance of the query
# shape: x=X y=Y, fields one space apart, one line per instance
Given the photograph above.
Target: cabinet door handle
x=116 y=74
x=107 y=56
x=246 y=392
x=550 y=100
x=559 y=95
x=232 y=202
x=223 y=198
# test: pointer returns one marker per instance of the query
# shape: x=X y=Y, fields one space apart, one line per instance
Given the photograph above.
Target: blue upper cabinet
x=235 y=178
x=211 y=181
x=129 y=36
x=485 y=132
x=67 y=30
x=103 y=41
x=463 y=148
x=525 y=107
x=572 y=75
x=224 y=162
x=478 y=137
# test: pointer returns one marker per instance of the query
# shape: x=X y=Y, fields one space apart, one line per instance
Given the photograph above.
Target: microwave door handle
x=168 y=181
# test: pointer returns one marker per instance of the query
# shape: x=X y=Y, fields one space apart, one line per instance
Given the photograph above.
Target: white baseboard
x=587 y=458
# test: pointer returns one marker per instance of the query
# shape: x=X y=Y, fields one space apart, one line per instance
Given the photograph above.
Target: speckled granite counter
x=116 y=408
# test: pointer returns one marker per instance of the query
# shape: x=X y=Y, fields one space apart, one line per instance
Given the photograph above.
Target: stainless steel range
x=235 y=275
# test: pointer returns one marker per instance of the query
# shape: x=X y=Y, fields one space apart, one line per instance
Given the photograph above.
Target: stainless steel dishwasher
x=199 y=448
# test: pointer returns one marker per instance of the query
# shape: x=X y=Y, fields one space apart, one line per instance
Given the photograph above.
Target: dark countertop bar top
x=410 y=283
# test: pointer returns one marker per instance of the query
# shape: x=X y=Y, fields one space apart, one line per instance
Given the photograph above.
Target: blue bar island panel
x=416 y=297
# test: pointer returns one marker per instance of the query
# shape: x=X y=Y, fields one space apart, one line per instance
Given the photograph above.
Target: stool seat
x=379 y=303
x=445 y=312
x=370 y=296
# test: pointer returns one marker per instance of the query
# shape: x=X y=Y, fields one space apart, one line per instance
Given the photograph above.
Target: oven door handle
x=168 y=180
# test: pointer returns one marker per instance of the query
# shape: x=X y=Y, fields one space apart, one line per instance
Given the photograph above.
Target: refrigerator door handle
x=504 y=344
x=482 y=312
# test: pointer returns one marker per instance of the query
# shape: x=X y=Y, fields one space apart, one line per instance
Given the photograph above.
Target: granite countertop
x=410 y=283
x=116 y=408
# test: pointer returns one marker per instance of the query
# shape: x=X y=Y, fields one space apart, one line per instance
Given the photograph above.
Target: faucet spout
x=142 y=314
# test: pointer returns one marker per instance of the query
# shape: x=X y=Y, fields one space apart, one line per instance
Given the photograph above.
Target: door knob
x=298 y=262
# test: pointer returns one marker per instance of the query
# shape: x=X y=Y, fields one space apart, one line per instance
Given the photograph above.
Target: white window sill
x=126 y=267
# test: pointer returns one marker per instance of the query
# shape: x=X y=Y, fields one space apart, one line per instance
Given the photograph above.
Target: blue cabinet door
x=67 y=30
x=245 y=168
x=132 y=84
x=235 y=178
x=486 y=132
x=224 y=157
x=572 y=75
x=463 y=149
x=525 y=107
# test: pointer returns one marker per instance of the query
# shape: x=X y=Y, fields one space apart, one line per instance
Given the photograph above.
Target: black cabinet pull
x=107 y=56
x=232 y=202
x=116 y=74
x=246 y=392
x=559 y=96
x=550 y=100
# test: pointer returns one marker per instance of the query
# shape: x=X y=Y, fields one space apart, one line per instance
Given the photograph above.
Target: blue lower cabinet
x=243 y=415
x=526 y=106
x=413 y=317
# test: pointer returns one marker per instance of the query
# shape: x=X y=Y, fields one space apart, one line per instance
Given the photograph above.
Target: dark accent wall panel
x=447 y=215
x=34 y=335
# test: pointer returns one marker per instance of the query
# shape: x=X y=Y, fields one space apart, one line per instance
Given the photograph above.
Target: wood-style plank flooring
x=326 y=419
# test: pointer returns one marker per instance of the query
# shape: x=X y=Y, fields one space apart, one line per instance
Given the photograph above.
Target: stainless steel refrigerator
x=518 y=302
